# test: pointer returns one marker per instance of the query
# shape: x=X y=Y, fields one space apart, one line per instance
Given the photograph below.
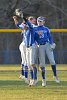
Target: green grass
x=12 y=88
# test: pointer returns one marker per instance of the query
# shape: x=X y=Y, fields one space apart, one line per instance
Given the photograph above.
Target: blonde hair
x=31 y=17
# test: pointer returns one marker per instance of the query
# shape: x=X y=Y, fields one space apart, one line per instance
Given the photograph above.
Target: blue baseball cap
x=41 y=18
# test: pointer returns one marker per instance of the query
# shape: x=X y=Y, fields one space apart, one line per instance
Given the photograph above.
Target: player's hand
x=52 y=46
x=14 y=17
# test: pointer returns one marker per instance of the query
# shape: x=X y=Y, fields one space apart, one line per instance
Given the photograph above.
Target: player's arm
x=28 y=23
x=49 y=36
x=19 y=13
x=52 y=45
x=21 y=26
x=15 y=19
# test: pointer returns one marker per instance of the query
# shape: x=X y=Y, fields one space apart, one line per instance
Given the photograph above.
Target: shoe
x=35 y=82
x=43 y=82
x=56 y=79
x=26 y=80
x=21 y=77
x=31 y=82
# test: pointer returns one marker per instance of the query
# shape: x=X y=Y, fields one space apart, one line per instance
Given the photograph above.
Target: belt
x=29 y=46
x=42 y=44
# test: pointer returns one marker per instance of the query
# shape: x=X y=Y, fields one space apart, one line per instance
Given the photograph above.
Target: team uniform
x=29 y=43
x=45 y=42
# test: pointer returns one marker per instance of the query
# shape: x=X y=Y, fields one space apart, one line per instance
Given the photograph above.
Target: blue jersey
x=28 y=33
x=43 y=35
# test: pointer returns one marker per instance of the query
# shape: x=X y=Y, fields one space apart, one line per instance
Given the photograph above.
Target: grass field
x=12 y=88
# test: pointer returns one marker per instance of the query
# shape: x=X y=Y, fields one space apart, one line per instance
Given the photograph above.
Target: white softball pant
x=22 y=49
x=31 y=55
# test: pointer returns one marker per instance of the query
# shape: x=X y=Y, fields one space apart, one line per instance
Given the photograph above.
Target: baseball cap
x=41 y=18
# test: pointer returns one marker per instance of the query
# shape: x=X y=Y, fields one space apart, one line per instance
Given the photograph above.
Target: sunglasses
x=40 y=21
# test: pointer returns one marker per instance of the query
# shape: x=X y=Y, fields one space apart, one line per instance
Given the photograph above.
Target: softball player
x=22 y=48
x=31 y=51
x=29 y=42
x=46 y=45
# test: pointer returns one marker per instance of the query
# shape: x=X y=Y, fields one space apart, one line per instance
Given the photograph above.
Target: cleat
x=22 y=77
x=43 y=82
x=26 y=80
x=31 y=82
x=56 y=79
x=35 y=82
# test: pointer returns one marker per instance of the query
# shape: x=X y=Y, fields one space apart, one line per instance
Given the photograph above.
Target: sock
x=26 y=72
x=43 y=72
x=31 y=73
x=22 y=69
x=35 y=73
x=54 y=69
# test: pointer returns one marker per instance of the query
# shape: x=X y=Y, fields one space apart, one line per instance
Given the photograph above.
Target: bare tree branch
x=11 y=8
x=52 y=5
